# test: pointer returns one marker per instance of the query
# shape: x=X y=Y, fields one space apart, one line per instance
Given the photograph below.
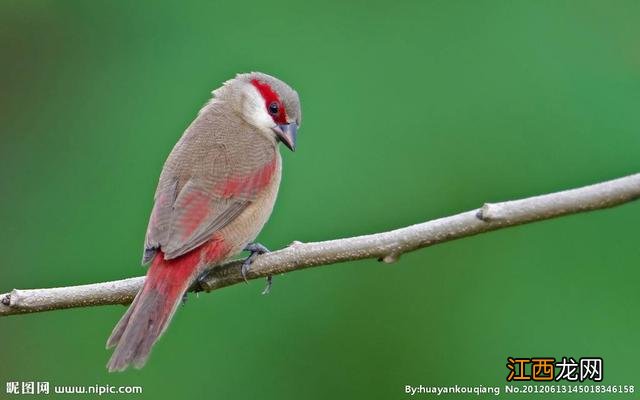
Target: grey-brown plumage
x=215 y=193
x=222 y=144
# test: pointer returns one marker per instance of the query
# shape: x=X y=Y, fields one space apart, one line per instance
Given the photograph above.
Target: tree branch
x=385 y=246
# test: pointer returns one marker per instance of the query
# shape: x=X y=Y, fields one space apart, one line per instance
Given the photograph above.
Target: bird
x=215 y=193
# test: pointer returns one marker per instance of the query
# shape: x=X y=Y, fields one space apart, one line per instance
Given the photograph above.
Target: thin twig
x=385 y=246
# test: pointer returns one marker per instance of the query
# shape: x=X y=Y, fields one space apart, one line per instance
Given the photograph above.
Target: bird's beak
x=287 y=134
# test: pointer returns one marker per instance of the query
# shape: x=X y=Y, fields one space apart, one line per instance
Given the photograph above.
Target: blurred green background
x=412 y=111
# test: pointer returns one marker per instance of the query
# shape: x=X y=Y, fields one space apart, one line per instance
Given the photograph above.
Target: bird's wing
x=202 y=191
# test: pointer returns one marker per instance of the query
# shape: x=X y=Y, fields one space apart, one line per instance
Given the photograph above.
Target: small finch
x=216 y=191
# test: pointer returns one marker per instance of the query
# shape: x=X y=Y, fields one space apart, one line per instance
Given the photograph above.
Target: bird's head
x=268 y=104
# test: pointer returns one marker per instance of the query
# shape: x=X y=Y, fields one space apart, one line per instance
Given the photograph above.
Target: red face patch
x=272 y=102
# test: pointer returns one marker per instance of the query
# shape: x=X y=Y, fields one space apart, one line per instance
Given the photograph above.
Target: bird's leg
x=256 y=249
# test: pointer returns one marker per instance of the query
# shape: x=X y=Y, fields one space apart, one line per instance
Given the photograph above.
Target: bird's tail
x=152 y=309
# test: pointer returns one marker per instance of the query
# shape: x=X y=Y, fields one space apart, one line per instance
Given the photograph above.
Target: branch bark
x=385 y=246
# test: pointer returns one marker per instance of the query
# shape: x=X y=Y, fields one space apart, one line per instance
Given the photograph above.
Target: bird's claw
x=246 y=265
x=267 y=289
x=256 y=249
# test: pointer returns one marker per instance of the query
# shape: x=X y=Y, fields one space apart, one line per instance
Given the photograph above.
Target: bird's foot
x=267 y=288
x=198 y=284
x=256 y=249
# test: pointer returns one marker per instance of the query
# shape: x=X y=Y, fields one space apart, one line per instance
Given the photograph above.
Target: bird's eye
x=273 y=108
